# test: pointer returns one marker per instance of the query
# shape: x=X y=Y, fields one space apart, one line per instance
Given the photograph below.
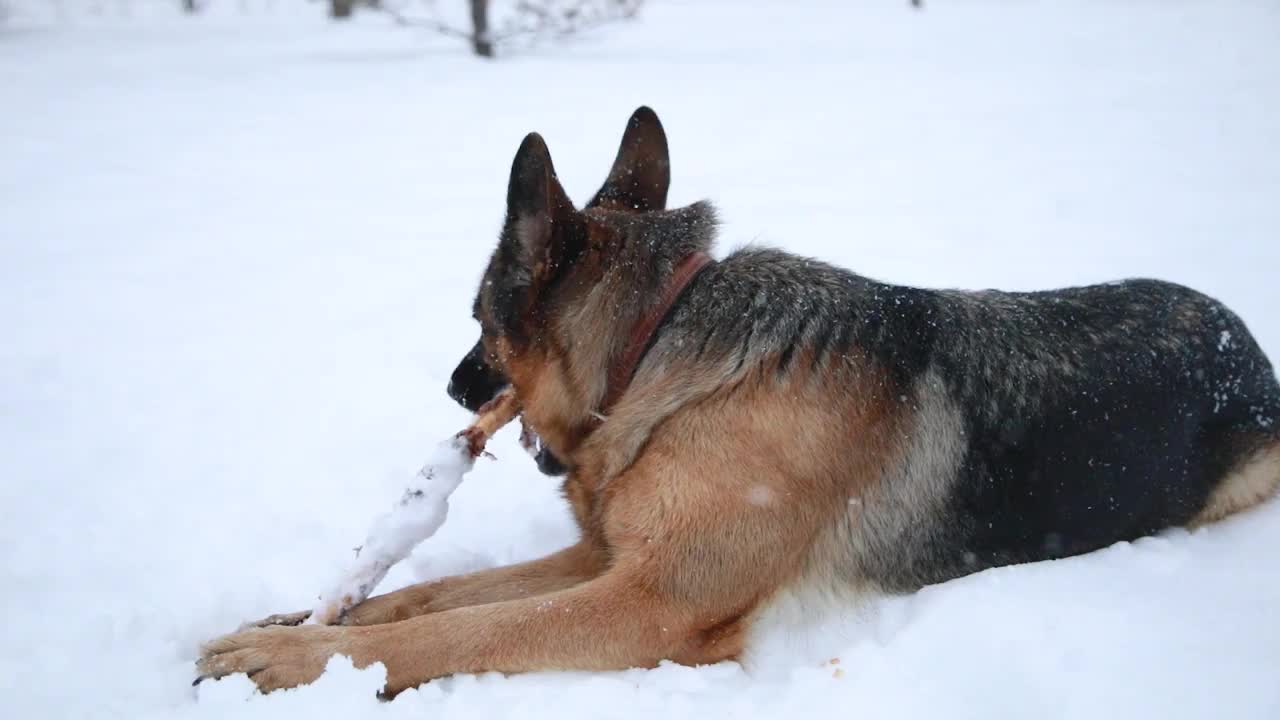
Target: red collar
x=621 y=372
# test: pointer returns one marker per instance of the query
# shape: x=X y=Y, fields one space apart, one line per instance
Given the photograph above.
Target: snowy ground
x=237 y=255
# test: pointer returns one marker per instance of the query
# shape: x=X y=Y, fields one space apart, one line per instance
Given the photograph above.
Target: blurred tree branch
x=527 y=23
x=340 y=9
x=480 y=28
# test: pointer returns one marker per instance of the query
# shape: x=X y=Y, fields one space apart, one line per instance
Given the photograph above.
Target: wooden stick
x=490 y=418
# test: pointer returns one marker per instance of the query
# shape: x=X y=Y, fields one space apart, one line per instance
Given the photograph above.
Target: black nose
x=465 y=395
x=474 y=382
x=456 y=392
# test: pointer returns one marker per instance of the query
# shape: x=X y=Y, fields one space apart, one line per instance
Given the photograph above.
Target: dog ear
x=641 y=173
x=540 y=217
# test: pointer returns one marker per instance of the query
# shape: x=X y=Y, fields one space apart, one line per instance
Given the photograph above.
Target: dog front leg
x=613 y=622
x=562 y=569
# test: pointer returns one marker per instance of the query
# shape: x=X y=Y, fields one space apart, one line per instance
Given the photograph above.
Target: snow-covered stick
x=419 y=513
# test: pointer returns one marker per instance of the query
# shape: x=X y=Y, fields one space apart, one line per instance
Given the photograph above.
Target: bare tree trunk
x=341 y=9
x=480 y=28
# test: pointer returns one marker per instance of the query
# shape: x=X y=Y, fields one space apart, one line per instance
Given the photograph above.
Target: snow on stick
x=419 y=513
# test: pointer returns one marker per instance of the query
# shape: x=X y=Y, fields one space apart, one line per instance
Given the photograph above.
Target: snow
x=237 y=254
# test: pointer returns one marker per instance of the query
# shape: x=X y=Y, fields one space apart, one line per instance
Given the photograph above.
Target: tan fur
x=720 y=509
x=552 y=403
x=1248 y=485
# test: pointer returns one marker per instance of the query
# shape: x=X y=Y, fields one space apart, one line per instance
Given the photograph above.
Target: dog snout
x=474 y=382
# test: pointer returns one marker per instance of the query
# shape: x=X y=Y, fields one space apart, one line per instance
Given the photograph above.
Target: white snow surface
x=238 y=251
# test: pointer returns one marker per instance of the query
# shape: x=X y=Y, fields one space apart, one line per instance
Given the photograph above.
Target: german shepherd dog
x=765 y=426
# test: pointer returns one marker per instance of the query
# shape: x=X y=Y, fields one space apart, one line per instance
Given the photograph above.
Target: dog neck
x=623 y=369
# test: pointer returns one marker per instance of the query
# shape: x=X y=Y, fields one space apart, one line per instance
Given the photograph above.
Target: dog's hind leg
x=1251 y=482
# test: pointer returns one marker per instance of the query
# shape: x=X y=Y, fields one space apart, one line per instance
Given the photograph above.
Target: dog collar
x=621 y=372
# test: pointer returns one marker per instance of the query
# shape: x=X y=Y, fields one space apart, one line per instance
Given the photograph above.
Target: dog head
x=543 y=238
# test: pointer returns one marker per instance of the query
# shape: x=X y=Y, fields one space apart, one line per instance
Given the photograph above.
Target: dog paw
x=274 y=657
